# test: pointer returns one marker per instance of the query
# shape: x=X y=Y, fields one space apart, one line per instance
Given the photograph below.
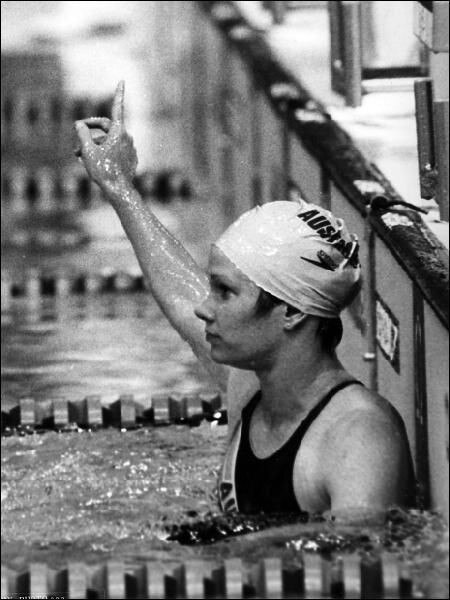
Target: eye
x=224 y=291
x=221 y=289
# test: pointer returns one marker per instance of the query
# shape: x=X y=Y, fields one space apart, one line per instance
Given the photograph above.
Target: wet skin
x=356 y=452
x=354 y=455
x=236 y=335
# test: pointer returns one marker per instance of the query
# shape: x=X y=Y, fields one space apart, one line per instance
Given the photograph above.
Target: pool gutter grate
x=311 y=576
x=30 y=416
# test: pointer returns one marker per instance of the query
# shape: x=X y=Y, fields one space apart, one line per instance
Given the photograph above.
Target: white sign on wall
x=388 y=333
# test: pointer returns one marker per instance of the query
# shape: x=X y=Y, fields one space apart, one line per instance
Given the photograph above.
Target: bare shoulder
x=358 y=413
x=365 y=452
x=356 y=404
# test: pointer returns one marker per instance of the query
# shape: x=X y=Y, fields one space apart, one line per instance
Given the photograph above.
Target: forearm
x=176 y=281
x=171 y=272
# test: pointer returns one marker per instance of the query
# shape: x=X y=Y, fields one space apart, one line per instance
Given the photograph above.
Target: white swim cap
x=298 y=252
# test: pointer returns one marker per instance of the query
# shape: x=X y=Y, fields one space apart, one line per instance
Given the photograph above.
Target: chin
x=223 y=359
x=219 y=357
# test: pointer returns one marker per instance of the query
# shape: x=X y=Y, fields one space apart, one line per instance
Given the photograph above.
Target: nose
x=204 y=311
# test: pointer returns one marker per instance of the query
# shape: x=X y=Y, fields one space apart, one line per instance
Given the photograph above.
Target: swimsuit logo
x=325 y=261
x=226 y=497
x=325 y=229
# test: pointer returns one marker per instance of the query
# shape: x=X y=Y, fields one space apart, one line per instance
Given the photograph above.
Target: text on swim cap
x=325 y=229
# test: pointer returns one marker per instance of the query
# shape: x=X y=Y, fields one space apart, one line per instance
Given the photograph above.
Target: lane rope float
x=30 y=416
x=36 y=284
x=311 y=577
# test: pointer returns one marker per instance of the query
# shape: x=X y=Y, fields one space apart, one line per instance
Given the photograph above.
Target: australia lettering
x=325 y=229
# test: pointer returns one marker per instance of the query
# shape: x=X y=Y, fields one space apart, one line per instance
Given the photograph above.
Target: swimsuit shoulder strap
x=315 y=412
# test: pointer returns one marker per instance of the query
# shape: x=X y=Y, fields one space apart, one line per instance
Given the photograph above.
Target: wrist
x=118 y=190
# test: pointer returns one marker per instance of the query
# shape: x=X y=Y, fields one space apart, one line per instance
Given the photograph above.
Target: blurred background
x=61 y=61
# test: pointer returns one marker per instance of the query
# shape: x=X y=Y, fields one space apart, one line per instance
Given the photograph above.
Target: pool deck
x=383 y=127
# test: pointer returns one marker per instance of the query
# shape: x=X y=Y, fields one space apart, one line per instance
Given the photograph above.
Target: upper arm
x=369 y=464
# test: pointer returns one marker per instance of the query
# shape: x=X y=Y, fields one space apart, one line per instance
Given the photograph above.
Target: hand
x=107 y=150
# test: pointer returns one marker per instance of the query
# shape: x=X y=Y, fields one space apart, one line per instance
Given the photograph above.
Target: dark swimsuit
x=250 y=484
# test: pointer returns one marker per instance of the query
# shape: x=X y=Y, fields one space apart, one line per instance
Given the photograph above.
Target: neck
x=296 y=381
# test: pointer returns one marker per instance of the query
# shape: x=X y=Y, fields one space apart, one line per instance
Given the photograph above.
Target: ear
x=293 y=318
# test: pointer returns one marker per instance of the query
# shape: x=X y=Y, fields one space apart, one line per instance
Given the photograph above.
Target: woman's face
x=237 y=336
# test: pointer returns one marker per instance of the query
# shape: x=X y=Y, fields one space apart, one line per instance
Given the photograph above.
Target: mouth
x=211 y=336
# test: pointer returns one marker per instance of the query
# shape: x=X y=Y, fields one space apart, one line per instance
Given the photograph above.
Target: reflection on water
x=82 y=492
x=107 y=345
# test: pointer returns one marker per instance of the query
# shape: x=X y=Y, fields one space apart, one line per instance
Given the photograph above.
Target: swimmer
x=304 y=435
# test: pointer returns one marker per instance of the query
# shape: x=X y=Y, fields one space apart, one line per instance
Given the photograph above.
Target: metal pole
x=370 y=356
x=425 y=142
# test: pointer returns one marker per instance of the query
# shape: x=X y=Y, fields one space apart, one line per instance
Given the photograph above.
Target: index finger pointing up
x=117 y=112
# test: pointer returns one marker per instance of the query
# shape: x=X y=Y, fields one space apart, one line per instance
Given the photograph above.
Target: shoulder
x=365 y=452
x=357 y=409
x=360 y=416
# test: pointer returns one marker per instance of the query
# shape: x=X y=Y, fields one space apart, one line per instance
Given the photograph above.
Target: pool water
x=109 y=345
x=93 y=495
x=105 y=493
x=106 y=344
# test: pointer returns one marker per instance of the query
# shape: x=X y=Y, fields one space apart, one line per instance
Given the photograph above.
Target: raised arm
x=175 y=279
